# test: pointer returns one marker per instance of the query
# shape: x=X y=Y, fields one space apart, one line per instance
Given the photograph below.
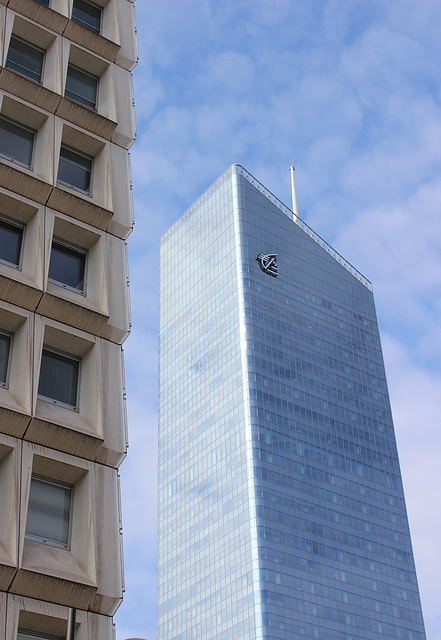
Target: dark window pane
x=74 y=169
x=87 y=14
x=81 y=86
x=49 y=511
x=45 y=2
x=16 y=141
x=11 y=236
x=25 y=58
x=58 y=377
x=67 y=265
x=5 y=347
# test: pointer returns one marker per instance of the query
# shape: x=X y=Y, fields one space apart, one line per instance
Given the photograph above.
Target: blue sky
x=350 y=91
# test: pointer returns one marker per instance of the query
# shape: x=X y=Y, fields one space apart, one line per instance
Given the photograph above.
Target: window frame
x=84 y=155
x=20 y=225
x=25 y=633
x=53 y=543
x=79 y=250
x=25 y=128
x=32 y=46
x=71 y=95
x=5 y=384
x=67 y=356
x=84 y=24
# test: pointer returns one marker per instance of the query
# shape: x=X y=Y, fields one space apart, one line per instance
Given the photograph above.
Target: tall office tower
x=281 y=508
x=66 y=124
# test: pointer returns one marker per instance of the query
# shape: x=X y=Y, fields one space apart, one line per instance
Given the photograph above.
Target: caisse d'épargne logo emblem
x=268 y=263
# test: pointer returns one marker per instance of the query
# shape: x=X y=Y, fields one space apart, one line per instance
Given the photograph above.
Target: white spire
x=294 y=197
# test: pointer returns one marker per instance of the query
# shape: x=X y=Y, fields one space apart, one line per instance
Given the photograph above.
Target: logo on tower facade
x=268 y=263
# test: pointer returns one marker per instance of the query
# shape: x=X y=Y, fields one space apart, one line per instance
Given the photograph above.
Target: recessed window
x=5 y=349
x=81 y=86
x=25 y=58
x=59 y=374
x=67 y=265
x=16 y=141
x=11 y=240
x=30 y=635
x=75 y=168
x=49 y=512
x=87 y=14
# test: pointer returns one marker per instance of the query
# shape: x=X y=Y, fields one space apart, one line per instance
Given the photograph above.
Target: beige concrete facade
x=64 y=310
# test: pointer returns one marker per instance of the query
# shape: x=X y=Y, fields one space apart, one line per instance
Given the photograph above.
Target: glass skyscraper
x=281 y=506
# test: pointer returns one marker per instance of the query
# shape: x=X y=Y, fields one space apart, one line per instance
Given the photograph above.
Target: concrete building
x=66 y=124
x=281 y=506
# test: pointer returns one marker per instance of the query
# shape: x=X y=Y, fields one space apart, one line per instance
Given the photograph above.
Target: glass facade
x=281 y=507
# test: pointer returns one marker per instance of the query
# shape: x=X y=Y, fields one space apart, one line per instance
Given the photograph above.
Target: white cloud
x=416 y=403
x=399 y=248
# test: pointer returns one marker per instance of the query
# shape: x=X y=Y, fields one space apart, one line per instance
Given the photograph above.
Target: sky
x=350 y=92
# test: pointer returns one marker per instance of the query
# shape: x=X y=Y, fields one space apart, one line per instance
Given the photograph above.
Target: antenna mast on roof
x=294 y=197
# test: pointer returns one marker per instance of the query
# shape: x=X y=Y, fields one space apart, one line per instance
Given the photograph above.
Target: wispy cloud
x=416 y=403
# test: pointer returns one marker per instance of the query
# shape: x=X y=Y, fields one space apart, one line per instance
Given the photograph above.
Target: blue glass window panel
x=81 y=86
x=59 y=377
x=16 y=141
x=25 y=58
x=87 y=14
x=49 y=506
x=11 y=237
x=74 y=169
x=45 y=2
x=67 y=265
